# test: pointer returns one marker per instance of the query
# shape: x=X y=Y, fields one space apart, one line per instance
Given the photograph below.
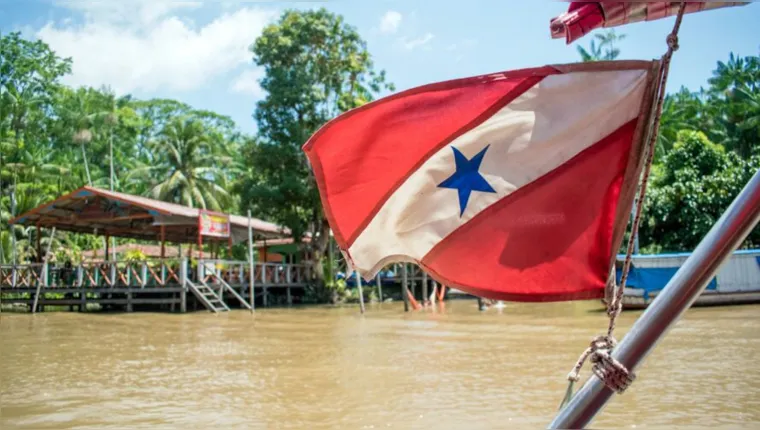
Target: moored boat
x=737 y=281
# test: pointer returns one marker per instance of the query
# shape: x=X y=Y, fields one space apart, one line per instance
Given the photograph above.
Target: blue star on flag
x=466 y=178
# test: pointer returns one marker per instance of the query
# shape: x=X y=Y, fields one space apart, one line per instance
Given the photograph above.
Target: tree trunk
x=110 y=149
x=86 y=167
x=318 y=251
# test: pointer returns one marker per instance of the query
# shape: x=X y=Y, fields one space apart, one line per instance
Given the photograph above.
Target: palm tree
x=606 y=40
x=738 y=72
x=682 y=110
x=751 y=101
x=188 y=167
x=110 y=117
x=79 y=117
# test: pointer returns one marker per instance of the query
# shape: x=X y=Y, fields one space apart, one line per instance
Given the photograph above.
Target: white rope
x=613 y=373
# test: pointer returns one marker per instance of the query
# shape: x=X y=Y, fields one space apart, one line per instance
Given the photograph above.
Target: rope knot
x=605 y=342
x=672 y=41
x=614 y=375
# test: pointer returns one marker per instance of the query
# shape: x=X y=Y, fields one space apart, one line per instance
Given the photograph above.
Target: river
x=324 y=367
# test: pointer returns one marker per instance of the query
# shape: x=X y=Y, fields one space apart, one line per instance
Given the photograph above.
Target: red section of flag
x=548 y=241
x=392 y=137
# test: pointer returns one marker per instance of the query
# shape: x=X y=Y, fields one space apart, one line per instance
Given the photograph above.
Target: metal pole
x=683 y=289
x=361 y=293
x=251 y=273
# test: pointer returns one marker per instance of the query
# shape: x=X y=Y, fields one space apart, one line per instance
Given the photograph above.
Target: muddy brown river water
x=324 y=367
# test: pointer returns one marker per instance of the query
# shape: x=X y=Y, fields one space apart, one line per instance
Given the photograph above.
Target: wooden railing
x=148 y=274
x=236 y=272
x=22 y=275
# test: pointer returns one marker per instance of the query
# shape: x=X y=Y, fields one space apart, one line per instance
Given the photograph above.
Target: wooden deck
x=158 y=285
x=176 y=285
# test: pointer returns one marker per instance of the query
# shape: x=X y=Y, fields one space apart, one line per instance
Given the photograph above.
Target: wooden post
x=331 y=256
x=424 y=288
x=405 y=286
x=413 y=283
x=264 y=283
x=82 y=291
x=44 y=270
x=163 y=243
x=106 y=256
x=252 y=274
x=361 y=293
x=200 y=237
x=183 y=290
x=379 y=283
x=39 y=246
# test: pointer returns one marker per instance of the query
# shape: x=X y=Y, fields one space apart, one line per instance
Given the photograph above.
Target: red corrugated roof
x=90 y=209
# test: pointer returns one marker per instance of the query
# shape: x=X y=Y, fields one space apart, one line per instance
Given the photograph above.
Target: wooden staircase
x=208 y=297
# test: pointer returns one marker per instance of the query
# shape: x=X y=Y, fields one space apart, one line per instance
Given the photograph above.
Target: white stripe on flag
x=536 y=133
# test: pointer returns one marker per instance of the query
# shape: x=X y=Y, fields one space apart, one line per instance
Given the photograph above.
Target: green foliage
x=134 y=256
x=54 y=139
x=707 y=151
x=69 y=253
x=693 y=186
x=316 y=66
x=189 y=168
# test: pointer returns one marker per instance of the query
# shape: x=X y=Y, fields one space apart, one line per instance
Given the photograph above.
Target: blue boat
x=737 y=281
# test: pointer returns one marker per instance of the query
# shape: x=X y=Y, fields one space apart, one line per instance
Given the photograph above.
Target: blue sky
x=197 y=51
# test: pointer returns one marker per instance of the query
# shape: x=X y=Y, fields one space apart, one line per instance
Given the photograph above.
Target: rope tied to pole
x=613 y=373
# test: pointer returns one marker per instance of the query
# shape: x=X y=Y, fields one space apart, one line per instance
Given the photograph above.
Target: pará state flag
x=511 y=186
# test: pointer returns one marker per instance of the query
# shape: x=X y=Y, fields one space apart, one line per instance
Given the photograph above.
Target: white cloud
x=390 y=22
x=142 y=46
x=127 y=12
x=416 y=43
x=248 y=83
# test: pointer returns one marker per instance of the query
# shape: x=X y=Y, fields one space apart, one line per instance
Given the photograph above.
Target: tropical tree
x=29 y=79
x=737 y=72
x=695 y=183
x=188 y=168
x=316 y=66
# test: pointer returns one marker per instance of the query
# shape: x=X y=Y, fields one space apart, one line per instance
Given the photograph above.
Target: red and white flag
x=512 y=186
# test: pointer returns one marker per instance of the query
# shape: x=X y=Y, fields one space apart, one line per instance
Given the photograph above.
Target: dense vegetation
x=707 y=150
x=54 y=138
